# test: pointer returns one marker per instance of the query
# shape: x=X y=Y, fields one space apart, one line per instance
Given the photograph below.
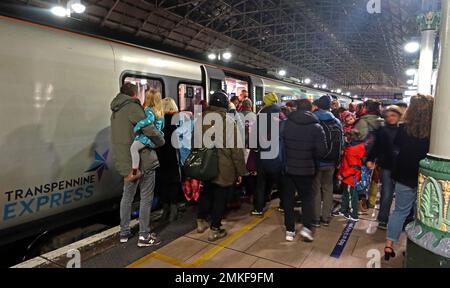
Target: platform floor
x=259 y=243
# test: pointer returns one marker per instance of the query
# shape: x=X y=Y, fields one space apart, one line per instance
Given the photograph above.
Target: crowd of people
x=322 y=149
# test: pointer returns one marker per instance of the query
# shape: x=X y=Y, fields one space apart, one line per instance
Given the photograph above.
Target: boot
x=202 y=225
x=173 y=212
x=216 y=234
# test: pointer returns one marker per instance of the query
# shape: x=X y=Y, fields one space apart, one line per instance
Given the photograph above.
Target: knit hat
x=270 y=98
x=345 y=114
x=219 y=99
x=324 y=102
x=247 y=103
x=395 y=109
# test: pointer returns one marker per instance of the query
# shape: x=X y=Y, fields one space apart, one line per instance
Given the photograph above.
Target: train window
x=215 y=85
x=234 y=87
x=144 y=84
x=189 y=95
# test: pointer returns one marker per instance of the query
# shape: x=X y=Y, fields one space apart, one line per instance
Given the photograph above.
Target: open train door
x=213 y=79
x=256 y=92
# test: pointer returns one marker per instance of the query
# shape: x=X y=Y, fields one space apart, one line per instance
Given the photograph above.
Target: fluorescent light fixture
x=307 y=81
x=412 y=47
x=411 y=72
x=324 y=86
x=282 y=72
x=339 y=91
x=212 y=56
x=410 y=82
x=316 y=85
x=227 y=55
x=59 y=11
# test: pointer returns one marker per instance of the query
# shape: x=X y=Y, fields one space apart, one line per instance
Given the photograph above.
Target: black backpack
x=333 y=134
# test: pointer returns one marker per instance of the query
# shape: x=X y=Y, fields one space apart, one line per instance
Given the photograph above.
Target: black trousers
x=264 y=185
x=212 y=201
x=302 y=184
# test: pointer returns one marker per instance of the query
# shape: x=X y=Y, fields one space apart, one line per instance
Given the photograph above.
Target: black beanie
x=219 y=99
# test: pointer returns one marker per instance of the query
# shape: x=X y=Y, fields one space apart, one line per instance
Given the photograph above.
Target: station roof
x=329 y=41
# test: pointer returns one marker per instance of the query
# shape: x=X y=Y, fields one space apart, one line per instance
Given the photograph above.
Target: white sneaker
x=349 y=217
x=290 y=236
x=307 y=235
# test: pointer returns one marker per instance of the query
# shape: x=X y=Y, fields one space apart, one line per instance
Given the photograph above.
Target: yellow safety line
x=207 y=255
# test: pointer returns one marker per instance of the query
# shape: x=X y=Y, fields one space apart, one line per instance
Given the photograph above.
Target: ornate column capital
x=428 y=20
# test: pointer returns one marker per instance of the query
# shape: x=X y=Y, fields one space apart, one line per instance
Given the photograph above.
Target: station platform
x=254 y=243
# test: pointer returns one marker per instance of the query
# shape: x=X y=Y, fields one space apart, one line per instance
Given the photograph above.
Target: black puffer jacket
x=383 y=151
x=305 y=142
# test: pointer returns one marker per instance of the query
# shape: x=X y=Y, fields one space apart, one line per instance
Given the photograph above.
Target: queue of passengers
x=322 y=149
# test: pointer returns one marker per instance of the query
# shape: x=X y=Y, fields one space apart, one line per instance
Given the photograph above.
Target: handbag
x=202 y=164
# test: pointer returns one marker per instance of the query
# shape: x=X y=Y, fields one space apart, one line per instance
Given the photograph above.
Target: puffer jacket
x=126 y=113
x=305 y=143
x=367 y=124
x=350 y=168
x=231 y=160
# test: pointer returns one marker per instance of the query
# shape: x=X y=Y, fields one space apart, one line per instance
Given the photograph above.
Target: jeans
x=386 y=195
x=405 y=199
x=323 y=192
x=213 y=201
x=350 y=199
x=147 y=185
x=302 y=184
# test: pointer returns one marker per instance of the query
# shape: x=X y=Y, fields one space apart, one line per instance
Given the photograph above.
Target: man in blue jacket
x=323 y=181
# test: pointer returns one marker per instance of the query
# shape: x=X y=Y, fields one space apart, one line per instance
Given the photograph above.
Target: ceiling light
x=59 y=11
x=410 y=82
x=324 y=86
x=307 y=81
x=212 y=56
x=282 y=72
x=348 y=94
x=227 y=55
x=77 y=6
x=412 y=47
x=411 y=72
x=339 y=91
x=316 y=85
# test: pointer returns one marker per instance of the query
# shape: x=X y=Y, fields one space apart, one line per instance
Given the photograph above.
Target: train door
x=256 y=92
x=213 y=80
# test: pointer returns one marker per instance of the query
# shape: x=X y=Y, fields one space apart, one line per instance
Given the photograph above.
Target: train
x=56 y=85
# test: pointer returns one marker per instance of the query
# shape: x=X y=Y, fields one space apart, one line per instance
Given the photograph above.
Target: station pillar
x=428 y=24
x=429 y=235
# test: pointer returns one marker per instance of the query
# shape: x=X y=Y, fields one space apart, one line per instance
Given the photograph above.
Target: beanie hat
x=219 y=99
x=345 y=114
x=324 y=102
x=270 y=98
x=395 y=109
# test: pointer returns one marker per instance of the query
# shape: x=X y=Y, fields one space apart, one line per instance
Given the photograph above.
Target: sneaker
x=307 y=235
x=202 y=225
x=257 y=213
x=338 y=214
x=325 y=222
x=216 y=234
x=316 y=224
x=382 y=225
x=124 y=237
x=351 y=218
x=290 y=236
x=151 y=240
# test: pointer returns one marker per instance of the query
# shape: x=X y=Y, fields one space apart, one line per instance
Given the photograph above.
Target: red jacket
x=351 y=163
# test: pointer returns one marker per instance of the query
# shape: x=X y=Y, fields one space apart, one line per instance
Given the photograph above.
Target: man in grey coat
x=126 y=112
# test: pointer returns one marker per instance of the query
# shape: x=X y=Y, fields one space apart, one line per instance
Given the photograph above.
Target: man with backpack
x=304 y=142
x=323 y=181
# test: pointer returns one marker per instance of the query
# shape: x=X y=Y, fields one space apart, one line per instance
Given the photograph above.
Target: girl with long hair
x=412 y=143
x=154 y=116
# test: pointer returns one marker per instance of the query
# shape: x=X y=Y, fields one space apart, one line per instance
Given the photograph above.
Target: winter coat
x=383 y=151
x=304 y=143
x=352 y=161
x=367 y=124
x=168 y=155
x=150 y=119
x=231 y=160
x=126 y=113
x=411 y=151
x=323 y=115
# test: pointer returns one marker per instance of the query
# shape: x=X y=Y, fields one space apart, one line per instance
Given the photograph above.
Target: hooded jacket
x=126 y=113
x=367 y=124
x=350 y=167
x=304 y=143
x=324 y=115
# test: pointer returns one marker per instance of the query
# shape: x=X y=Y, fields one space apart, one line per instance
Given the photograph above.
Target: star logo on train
x=99 y=165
